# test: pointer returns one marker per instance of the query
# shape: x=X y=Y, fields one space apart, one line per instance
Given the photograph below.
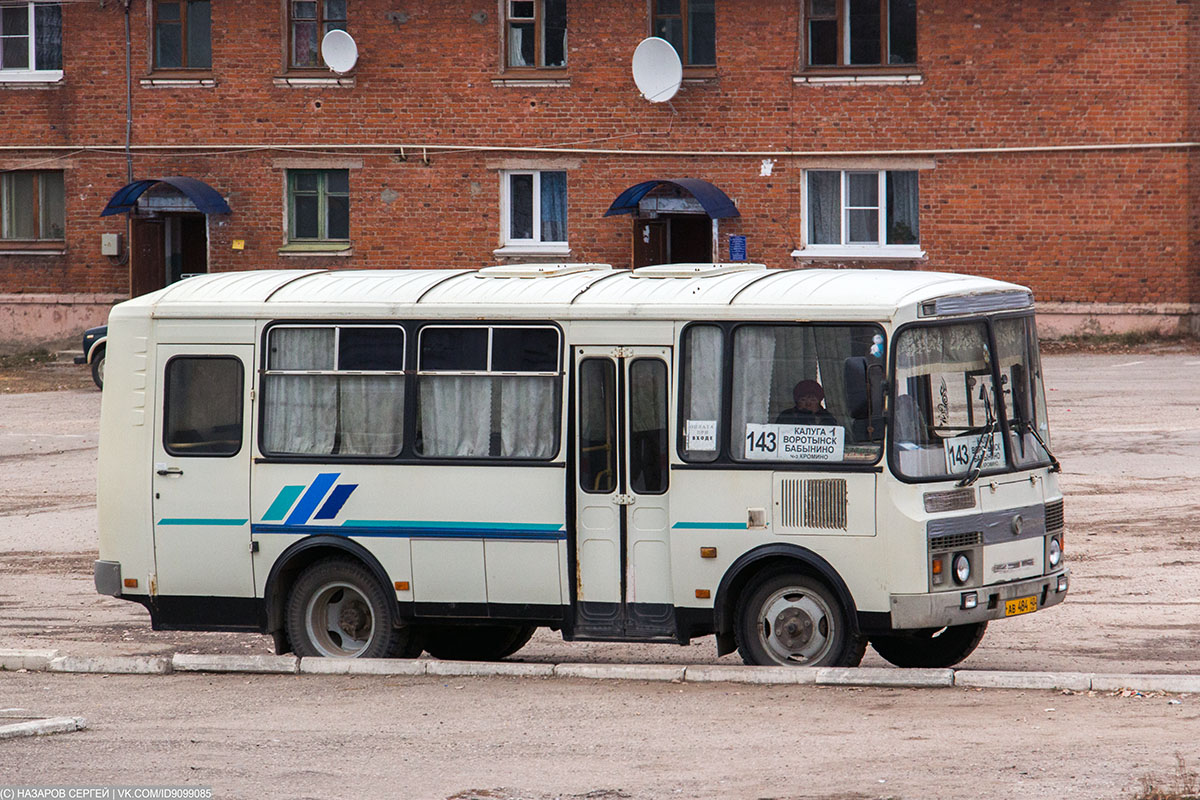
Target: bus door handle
x=623 y=500
x=170 y=471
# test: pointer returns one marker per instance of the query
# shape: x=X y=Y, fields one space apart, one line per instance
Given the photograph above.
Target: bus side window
x=202 y=406
x=597 y=425
x=648 y=426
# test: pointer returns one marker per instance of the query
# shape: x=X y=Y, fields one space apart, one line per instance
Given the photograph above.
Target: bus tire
x=930 y=647
x=98 y=368
x=793 y=619
x=337 y=608
x=477 y=642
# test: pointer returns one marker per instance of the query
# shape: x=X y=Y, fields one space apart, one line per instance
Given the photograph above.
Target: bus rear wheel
x=792 y=619
x=930 y=647
x=337 y=609
x=477 y=642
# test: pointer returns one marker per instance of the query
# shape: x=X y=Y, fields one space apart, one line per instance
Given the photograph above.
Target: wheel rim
x=339 y=620
x=100 y=369
x=796 y=626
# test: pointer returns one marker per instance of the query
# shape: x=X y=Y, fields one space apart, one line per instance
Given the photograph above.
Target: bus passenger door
x=622 y=553
x=202 y=471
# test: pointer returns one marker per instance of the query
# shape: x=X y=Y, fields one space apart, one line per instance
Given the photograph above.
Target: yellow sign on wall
x=239 y=244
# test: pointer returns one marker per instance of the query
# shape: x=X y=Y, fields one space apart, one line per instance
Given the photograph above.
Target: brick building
x=1041 y=141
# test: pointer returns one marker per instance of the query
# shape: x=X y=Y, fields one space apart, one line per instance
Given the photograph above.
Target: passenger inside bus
x=809 y=408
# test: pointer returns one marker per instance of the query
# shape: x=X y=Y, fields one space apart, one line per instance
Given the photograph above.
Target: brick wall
x=1106 y=225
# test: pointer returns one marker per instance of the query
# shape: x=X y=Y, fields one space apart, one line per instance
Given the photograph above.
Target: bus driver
x=808 y=396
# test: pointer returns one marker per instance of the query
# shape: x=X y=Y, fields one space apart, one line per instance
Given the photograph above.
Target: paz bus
x=385 y=463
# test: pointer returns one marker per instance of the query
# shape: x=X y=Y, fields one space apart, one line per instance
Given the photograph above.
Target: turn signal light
x=130 y=583
x=401 y=586
x=703 y=594
x=708 y=552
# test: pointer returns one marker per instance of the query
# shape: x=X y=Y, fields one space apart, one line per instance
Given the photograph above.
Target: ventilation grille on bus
x=815 y=503
x=954 y=541
x=1054 y=515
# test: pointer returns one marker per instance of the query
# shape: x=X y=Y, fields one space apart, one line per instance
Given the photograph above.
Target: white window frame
x=31 y=75
x=534 y=246
x=878 y=249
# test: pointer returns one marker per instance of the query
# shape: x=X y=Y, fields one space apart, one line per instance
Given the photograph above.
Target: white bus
x=385 y=463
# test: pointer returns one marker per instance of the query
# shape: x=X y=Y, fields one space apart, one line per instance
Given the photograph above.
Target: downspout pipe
x=128 y=98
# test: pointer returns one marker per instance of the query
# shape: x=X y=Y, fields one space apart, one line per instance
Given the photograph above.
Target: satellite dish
x=339 y=51
x=657 y=70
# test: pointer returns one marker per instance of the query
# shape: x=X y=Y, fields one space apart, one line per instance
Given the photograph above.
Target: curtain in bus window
x=833 y=346
x=300 y=414
x=753 y=366
x=702 y=394
x=371 y=415
x=528 y=417
x=926 y=351
x=456 y=415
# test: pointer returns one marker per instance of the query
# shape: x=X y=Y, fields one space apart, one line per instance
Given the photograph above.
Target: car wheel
x=98 y=368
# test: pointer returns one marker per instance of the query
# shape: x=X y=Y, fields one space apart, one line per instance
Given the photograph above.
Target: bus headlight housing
x=1054 y=552
x=962 y=568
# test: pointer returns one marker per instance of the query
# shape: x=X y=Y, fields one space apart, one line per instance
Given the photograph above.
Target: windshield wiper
x=984 y=445
x=1054 y=465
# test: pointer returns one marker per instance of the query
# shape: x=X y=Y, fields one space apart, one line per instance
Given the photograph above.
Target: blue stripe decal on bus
x=308 y=503
x=199 y=521
x=711 y=526
x=283 y=501
x=425 y=530
x=337 y=499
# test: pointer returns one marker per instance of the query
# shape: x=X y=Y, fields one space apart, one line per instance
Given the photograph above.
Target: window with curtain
x=690 y=27
x=334 y=390
x=489 y=392
x=308 y=22
x=851 y=33
x=536 y=33
x=857 y=208
x=791 y=400
x=318 y=205
x=30 y=39
x=182 y=34
x=701 y=393
x=534 y=208
x=32 y=205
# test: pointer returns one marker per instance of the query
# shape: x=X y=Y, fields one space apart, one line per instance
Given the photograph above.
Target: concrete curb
x=187 y=662
x=41 y=727
x=112 y=665
x=26 y=659
x=881 y=677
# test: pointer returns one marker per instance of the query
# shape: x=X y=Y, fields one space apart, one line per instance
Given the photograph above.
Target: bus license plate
x=1022 y=605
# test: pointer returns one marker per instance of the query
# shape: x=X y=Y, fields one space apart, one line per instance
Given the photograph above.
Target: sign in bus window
x=795 y=442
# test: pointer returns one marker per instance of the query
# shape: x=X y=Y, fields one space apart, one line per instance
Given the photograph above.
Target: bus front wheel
x=338 y=609
x=930 y=647
x=792 y=619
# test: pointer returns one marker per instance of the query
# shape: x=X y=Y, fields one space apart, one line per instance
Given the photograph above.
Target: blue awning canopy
x=207 y=199
x=714 y=202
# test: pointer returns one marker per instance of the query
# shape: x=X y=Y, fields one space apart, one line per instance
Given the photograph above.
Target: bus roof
x=566 y=291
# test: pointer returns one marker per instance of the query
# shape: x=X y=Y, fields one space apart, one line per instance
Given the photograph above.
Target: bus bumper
x=107 y=575
x=939 y=609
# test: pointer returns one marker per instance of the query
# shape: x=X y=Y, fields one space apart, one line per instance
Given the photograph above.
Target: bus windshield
x=950 y=420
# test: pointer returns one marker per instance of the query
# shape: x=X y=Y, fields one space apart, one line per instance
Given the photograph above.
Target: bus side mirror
x=864 y=388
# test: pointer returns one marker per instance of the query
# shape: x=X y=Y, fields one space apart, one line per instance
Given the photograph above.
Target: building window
x=536 y=33
x=30 y=38
x=690 y=26
x=308 y=22
x=31 y=206
x=861 y=32
x=856 y=209
x=183 y=35
x=319 y=205
x=535 y=208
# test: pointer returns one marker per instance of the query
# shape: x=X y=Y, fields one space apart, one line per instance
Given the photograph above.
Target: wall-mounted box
x=110 y=244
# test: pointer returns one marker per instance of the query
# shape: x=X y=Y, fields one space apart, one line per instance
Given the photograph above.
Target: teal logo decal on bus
x=310 y=498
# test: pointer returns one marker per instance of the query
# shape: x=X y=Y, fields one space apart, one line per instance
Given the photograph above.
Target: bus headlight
x=1054 y=552
x=962 y=568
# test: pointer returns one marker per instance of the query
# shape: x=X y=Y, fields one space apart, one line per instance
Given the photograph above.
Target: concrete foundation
x=50 y=321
